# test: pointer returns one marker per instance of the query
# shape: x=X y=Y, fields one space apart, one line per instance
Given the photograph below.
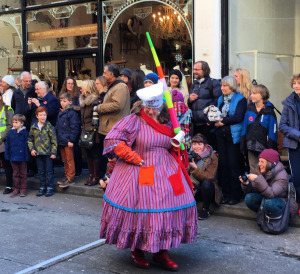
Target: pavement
x=234 y=211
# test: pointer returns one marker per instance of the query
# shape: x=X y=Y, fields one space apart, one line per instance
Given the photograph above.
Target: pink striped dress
x=147 y=217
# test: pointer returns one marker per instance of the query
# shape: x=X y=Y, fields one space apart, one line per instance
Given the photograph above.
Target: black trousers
x=103 y=159
x=205 y=193
x=229 y=168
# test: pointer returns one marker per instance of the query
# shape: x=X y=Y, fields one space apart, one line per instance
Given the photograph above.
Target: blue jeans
x=273 y=205
x=45 y=170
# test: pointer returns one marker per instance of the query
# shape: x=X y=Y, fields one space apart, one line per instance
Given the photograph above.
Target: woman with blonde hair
x=101 y=85
x=88 y=99
x=242 y=77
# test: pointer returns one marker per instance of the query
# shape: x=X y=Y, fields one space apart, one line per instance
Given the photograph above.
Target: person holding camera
x=88 y=99
x=203 y=169
x=271 y=183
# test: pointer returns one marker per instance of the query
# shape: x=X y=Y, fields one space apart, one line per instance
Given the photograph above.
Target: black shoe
x=233 y=202
x=204 y=214
x=41 y=192
x=225 y=201
x=8 y=190
x=49 y=192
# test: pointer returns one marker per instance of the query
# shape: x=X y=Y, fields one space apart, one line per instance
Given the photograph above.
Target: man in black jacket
x=204 y=92
x=19 y=101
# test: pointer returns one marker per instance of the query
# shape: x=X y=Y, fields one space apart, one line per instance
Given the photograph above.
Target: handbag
x=275 y=223
x=86 y=139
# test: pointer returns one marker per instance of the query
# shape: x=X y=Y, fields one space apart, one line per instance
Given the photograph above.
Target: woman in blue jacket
x=233 y=106
x=290 y=127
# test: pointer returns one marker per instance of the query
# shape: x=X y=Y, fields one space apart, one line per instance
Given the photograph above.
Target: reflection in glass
x=81 y=68
x=170 y=26
x=11 y=44
x=45 y=71
x=7 y=5
x=264 y=39
x=62 y=28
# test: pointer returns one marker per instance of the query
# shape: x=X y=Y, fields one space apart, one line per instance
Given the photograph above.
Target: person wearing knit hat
x=7 y=84
x=270 y=155
x=180 y=110
x=125 y=75
x=270 y=183
x=175 y=78
x=126 y=72
x=176 y=72
x=150 y=79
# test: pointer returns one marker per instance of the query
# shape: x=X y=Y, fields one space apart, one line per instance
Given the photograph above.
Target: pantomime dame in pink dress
x=148 y=204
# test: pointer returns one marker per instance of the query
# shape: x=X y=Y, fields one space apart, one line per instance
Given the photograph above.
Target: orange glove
x=125 y=152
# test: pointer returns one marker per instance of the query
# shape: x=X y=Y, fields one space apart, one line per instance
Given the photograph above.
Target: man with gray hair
x=20 y=98
x=115 y=106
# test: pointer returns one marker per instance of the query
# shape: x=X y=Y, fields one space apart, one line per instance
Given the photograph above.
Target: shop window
x=8 y=5
x=170 y=26
x=11 y=44
x=45 y=71
x=62 y=28
x=263 y=38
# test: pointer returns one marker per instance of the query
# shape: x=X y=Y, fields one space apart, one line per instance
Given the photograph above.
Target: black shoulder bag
x=275 y=223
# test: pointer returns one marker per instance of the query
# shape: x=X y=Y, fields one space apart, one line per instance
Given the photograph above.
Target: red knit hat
x=270 y=155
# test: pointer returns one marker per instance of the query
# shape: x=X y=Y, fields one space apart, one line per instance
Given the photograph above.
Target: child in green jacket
x=42 y=144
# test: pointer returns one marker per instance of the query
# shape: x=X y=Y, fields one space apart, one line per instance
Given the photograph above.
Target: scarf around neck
x=169 y=132
x=157 y=126
x=227 y=100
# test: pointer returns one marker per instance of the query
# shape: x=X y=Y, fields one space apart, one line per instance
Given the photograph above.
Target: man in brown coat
x=115 y=106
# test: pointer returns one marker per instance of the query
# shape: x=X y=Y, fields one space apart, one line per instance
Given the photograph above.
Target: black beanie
x=176 y=72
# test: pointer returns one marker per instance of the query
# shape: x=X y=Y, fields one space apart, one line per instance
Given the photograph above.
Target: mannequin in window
x=145 y=70
x=134 y=25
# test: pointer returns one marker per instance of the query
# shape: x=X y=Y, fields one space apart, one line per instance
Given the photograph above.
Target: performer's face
x=152 y=112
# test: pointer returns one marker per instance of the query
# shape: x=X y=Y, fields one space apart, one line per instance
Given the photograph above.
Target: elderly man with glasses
x=20 y=97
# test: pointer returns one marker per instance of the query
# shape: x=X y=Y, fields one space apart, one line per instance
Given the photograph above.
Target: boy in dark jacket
x=16 y=151
x=42 y=144
x=68 y=128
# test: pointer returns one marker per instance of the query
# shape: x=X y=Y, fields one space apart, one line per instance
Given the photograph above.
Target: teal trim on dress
x=133 y=210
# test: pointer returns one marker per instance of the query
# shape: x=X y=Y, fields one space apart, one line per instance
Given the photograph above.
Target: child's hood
x=18 y=131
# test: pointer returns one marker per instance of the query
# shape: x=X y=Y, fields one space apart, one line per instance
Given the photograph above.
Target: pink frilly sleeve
x=125 y=130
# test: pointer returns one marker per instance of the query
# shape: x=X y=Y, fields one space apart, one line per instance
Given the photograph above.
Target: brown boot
x=96 y=178
x=90 y=164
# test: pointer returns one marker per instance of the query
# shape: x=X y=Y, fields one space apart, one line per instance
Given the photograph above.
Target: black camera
x=192 y=155
x=244 y=177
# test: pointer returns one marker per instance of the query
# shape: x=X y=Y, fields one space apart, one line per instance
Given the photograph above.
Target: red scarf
x=169 y=132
